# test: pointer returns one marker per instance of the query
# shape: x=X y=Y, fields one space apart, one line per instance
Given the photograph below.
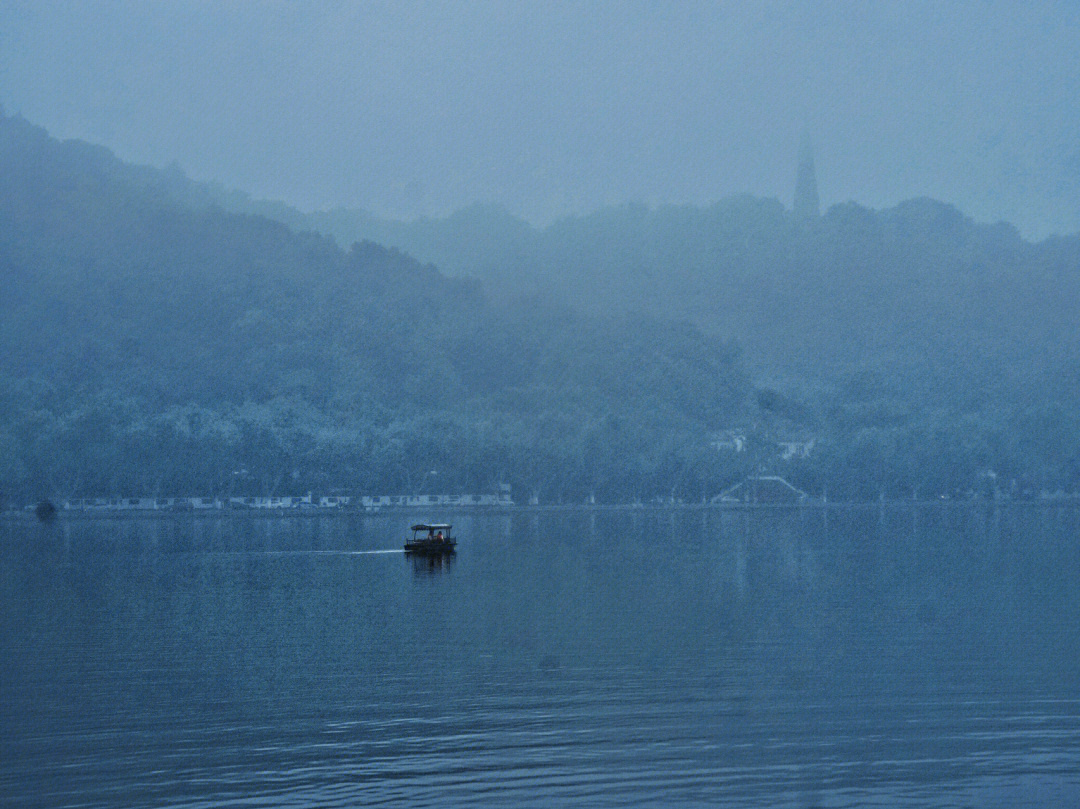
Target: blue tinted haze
x=555 y=108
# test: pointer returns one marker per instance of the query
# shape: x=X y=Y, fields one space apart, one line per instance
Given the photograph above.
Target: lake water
x=781 y=658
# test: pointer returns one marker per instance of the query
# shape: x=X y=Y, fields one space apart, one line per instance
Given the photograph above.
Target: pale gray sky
x=550 y=108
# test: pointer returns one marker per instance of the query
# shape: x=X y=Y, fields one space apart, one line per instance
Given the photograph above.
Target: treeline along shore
x=217 y=508
x=157 y=335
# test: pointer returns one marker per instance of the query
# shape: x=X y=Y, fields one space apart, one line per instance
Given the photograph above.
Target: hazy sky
x=550 y=108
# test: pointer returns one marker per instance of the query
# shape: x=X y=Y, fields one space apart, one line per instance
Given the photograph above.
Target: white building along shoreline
x=274 y=502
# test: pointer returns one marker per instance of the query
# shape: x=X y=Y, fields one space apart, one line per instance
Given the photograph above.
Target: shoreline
x=284 y=513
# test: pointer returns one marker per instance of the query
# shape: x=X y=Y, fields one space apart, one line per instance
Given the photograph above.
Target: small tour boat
x=437 y=541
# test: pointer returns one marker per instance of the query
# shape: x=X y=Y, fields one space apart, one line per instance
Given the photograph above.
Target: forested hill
x=153 y=342
x=854 y=288
x=149 y=345
x=917 y=292
x=928 y=348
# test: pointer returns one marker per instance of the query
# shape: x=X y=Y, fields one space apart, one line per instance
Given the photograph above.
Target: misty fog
x=549 y=109
x=603 y=404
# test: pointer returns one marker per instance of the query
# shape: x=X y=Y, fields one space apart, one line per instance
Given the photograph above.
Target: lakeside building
x=276 y=502
x=728 y=440
x=792 y=450
x=141 y=503
x=789 y=445
x=271 y=502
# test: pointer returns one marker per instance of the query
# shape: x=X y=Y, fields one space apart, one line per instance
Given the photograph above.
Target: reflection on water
x=431 y=564
x=854 y=657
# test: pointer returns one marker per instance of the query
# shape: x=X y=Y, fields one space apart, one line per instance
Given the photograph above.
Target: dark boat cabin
x=437 y=540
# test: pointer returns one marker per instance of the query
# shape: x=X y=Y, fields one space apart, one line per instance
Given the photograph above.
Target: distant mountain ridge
x=154 y=342
x=855 y=288
x=158 y=332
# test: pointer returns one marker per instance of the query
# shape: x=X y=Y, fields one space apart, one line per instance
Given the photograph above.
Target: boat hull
x=431 y=547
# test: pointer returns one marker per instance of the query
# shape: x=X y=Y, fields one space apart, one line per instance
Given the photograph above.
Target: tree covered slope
x=161 y=335
x=929 y=352
x=151 y=344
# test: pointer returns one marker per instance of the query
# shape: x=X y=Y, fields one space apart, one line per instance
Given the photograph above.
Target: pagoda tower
x=806 y=194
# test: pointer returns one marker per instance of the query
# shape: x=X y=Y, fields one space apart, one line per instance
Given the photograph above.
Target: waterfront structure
x=728 y=440
x=276 y=502
x=761 y=490
x=791 y=450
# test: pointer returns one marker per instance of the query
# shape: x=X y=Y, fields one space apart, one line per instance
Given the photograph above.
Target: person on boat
x=439 y=537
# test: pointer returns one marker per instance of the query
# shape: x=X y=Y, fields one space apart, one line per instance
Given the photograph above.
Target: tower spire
x=806 y=193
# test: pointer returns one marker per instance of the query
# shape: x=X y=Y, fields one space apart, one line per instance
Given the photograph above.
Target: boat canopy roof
x=435 y=526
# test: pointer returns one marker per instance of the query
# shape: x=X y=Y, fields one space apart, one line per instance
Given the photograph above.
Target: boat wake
x=367 y=553
x=303 y=553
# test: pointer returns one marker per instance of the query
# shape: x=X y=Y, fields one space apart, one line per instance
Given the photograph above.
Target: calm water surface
x=855 y=657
